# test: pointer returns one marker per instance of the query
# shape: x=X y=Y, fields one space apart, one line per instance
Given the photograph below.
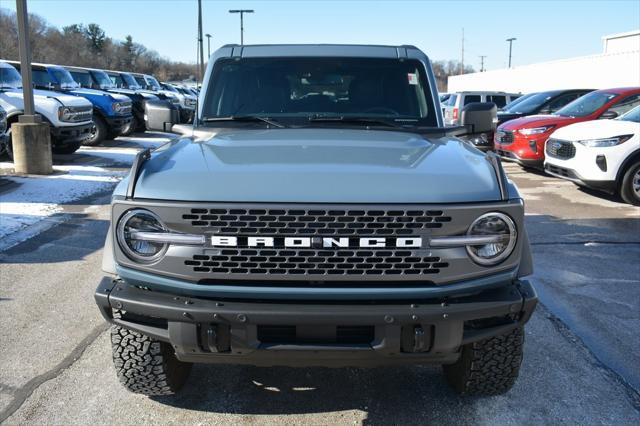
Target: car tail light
x=455 y=113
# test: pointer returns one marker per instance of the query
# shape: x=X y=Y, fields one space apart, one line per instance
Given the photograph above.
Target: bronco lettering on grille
x=324 y=242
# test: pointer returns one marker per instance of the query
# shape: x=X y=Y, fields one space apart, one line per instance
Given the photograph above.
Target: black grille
x=504 y=137
x=319 y=262
x=291 y=222
x=560 y=149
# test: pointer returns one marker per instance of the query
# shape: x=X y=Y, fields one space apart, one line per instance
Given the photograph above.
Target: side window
x=626 y=104
x=499 y=100
x=561 y=101
x=471 y=98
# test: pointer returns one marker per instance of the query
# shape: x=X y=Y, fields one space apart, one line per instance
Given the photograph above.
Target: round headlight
x=493 y=224
x=142 y=251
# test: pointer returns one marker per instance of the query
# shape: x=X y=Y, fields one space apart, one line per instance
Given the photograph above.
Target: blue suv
x=111 y=112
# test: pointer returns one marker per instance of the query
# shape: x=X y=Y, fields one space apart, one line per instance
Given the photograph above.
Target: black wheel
x=66 y=148
x=630 y=185
x=487 y=367
x=98 y=133
x=145 y=365
x=131 y=127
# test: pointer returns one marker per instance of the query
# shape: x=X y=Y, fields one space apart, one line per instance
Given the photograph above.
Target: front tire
x=489 y=366
x=131 y=127
x=630 y=185
x=145 y=365
x=98 y=133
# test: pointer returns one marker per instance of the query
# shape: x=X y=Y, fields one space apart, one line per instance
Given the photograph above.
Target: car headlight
x=65 y=114
x=119 y=107
x=535 y=130
x=138 y=249
x=605 y=142
x=504 y=233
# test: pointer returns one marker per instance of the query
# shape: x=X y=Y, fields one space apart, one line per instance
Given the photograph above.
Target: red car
x=522 y=140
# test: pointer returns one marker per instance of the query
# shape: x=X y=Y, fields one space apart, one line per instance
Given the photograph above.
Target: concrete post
x=32 y=152
x=30 y=138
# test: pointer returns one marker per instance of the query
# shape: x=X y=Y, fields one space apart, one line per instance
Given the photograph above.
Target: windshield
x=64 y=78
x=152 y=82
x=103 y=80
x=306 y=88
x=170 y=88
x=140 y=80
x=83 y=78
x=9 y=77
x=130 y=82
x=586 y=105
x=529 y=104
x=633 y=115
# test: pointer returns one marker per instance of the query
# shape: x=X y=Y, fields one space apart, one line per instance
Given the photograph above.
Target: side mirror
x=479 y=117
x=608 y=115
x=160 y=115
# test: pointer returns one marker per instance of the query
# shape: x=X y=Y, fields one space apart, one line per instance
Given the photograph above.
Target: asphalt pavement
x=581 y=353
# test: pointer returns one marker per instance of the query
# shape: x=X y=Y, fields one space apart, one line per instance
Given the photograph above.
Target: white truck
x=69 y=117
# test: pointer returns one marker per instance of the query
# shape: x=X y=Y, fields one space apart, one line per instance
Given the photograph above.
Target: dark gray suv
x=318 y=213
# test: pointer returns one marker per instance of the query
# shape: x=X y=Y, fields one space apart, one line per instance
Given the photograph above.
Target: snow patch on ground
x=38 y=197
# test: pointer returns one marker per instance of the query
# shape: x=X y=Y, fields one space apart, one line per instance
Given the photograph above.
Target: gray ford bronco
x=318 y=213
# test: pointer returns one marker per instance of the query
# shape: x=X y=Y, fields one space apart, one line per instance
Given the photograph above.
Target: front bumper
x=68 y=134
x=117 y=124
x=527 y=151
x=561 y=172
x=512 y=156
x=316 y=334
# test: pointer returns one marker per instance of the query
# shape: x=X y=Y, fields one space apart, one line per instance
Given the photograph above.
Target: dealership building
x=617 y=66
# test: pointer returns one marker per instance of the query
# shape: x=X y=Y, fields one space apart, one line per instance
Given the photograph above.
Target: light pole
x=241 y=12
x=510 y=40
x=208 y=45
x=200 y=47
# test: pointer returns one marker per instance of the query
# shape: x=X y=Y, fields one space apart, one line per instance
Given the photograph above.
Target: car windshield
x=9 y=77
x=152 y=82
x=633 y=115
x=83 y=78
x=529 y=104
x=130 y=82
x=586 y=105
x=64 y=78
x=104 y=82
x=170 y=88
x=325 y=88
x=140 y=80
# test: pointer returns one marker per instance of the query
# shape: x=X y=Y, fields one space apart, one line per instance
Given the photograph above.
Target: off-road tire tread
x=488 y=367
x=146 y=366
x=101 y=132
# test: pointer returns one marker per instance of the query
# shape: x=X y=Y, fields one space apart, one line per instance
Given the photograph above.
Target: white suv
x=601 y=154
x=456 y=101
x=69 y=117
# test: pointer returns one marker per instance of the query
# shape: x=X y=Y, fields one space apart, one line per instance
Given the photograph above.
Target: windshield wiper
x=245 y=118
x=347 y=119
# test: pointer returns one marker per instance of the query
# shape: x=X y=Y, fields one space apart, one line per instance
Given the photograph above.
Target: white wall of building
x=616 y=67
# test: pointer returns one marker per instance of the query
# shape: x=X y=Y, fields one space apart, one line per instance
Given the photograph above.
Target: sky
x=545 y=30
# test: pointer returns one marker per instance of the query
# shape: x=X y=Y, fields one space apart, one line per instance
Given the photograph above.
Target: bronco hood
x=318 y=166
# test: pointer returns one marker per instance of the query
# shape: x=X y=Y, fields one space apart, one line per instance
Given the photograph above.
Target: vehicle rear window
x=471 y=98
x=499 y=100
x=304 y=87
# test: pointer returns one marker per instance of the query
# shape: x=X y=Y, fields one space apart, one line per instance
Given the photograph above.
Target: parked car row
x=85 y=106
x=590 y=137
